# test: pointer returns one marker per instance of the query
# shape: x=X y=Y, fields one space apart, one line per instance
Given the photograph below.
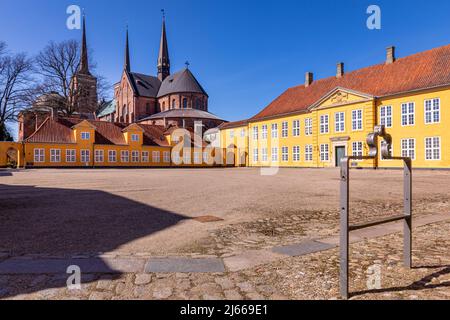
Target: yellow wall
x=4 y=147
x=347 y=101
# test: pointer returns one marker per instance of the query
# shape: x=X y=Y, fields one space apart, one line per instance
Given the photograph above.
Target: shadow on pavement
x=62 y=222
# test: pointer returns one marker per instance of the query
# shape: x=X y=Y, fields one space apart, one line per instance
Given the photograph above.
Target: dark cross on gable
x=187 y=64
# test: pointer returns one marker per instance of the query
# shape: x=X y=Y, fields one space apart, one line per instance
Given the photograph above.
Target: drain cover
x=206 y=219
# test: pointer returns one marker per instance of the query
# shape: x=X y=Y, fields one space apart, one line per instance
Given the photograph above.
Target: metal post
x=407 y=233
x=344 y=241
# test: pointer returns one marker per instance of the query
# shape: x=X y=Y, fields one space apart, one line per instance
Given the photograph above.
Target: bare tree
x=15 y=76
x=56 y=64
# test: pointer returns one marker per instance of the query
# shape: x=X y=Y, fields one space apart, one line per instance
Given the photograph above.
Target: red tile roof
x=424 y=70
x=235 y=124
x=60 y=131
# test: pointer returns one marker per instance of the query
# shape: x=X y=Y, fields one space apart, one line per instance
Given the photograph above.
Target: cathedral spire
x=163 y=58
x=84 y=62
x=127 y=65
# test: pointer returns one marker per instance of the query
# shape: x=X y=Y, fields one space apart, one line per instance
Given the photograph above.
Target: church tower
x=163 y=58
x=84 y=84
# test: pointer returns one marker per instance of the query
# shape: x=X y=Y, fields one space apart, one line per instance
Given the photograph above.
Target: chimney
x=309 y=78
x=390 y=55
x=340 y=70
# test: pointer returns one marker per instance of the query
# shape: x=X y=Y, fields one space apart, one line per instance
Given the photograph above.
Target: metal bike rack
x=346 y=228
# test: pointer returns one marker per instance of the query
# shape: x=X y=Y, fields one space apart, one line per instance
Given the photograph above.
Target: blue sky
x=244 y=52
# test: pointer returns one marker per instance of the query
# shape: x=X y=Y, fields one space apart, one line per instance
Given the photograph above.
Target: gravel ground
x=150 y=212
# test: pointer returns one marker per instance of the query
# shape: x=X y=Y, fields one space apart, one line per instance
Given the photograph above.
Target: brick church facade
x=165 y=99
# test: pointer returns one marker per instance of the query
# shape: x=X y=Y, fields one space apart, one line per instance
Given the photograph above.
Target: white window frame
x=156 y=156
x=145 y=156
x=71 y=155
x=55 y=155
x=124 y=156
x=339 y=122
x=284 y=129
x=264 y=132
x=274 y=131
x=408 y=115
x=112 y=156
x=357 y=120
x=264 y=154
x=357 y=148
x=296 y=153
x=408 y=148
x=166 y=156
x=197 y=157
x=255 y=133
x=255 y=155
x=274 y=154
x=309 y=153
x=39 y=155
x=284 y=154
x=231 y=134
x=324 y=124
x=325 y=152
x=135 y=137
x=433 y=149
x=242 y=133
x=85 y=156
x=135 y=155
x=434 y=108
x=85 y=135
x=385 y=119
x=296 y=128
x=99 y=156
x=187 y=157
x=308 y=127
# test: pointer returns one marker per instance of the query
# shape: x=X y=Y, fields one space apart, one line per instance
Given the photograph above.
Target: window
x=357 y=149
x=197 y=103
x=184 y=103
x=324 y=153
x=156 y=156
x=135 y=137
x=174 y=104
x=176 y=158
x=284 y=129
x=264 y=132
x=296 y=153
x=242 y=133
x=55 y=155
x=255 y=133
x=145 y=156
x=408 y=114
x=264 y=154
x=274 y=130
x=409 y=148
x=231 y=134
x=309 y=152
x=85 y=136
x=124 y=156
x=433 y=148
x=324 y=124
x=166 y=156
x=386 y=116
x=205 y=156
x=186 y=157
x=308 y=126
x=99 y=155
x=432 y=111
x=339 y=122
x=296 y=128
x=357 y=121
x=285 y=154
x=197 y=158
x=134 y=156
x=71 y=155
x=275 y=154
x=112 y=156
x=255 y=155
x=85 y=156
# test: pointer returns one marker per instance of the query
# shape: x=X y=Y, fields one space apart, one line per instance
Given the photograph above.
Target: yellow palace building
x=318 y=123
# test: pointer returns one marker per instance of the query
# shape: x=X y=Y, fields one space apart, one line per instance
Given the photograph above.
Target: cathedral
x=166 y=99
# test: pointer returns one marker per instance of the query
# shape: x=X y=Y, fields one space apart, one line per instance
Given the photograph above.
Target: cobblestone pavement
x=314 y=276
x=291 y=227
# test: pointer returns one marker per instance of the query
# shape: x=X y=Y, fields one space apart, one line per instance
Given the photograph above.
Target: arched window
x=184 y=103
x=198 y=103
x=124 y=110
x=174 y=104
x=164 y=106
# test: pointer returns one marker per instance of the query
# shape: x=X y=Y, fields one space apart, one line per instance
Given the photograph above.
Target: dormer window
x=85 y=136
x=134 y=137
